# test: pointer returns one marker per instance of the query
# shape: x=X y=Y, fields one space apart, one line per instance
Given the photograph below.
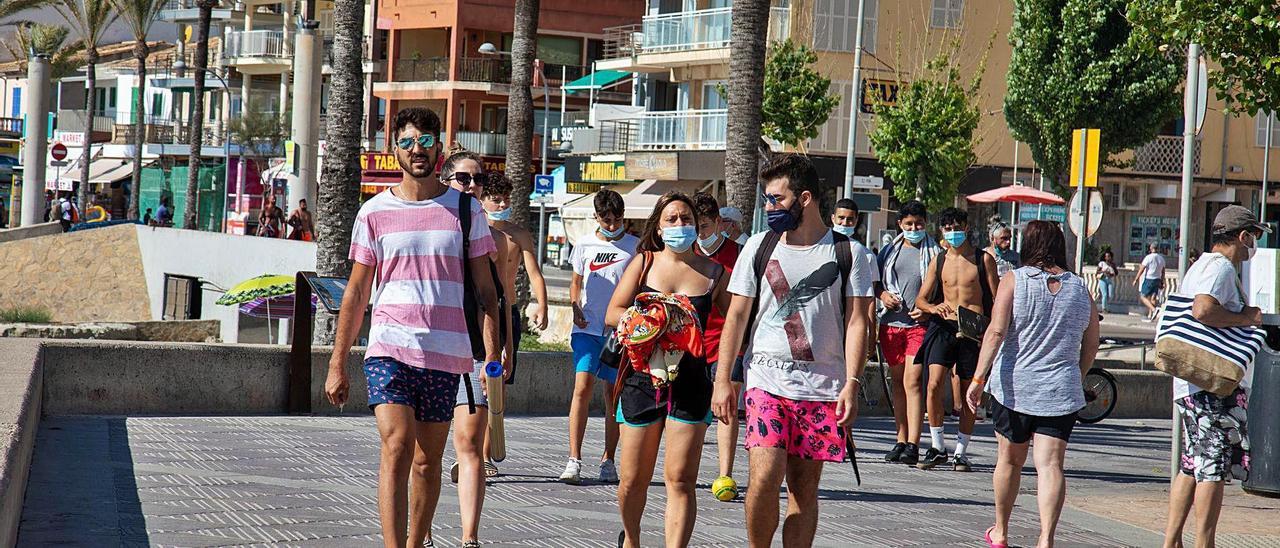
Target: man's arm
x=724 y=399
x=1137 y=278
x=1210 y=312
x=575 y=300
x=855 y=358
x=531 y=267
x=487 y=296
x=354 y=300
x=992 y=271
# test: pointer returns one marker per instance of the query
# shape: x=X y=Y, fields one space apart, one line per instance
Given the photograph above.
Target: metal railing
x=488 y=144
x=480 y=69
x=618 y=135
x=683 y=130
x=435 y=69
x=1163 y=155
x=622 y=41
x=256 y=43
x=75 y=120
x=11 y=127
x=685 y=31
x=557 y=73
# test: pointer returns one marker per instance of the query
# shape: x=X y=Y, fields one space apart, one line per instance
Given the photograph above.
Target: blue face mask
x=679 y=238
x=613 y=234
x=845 y=230
x=709 y=241
x=499 y=215
x=913 y=236
x=954 y=237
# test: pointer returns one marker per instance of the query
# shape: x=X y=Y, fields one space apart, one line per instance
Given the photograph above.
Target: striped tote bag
x=1212 y=358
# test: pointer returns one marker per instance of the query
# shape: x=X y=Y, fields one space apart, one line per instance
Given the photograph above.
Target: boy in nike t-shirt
x=599 y=259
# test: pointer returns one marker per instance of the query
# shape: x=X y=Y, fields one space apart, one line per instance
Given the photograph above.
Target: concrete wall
x=89 y=275
x=222 y=260
x=20 y=372
x=22 y=233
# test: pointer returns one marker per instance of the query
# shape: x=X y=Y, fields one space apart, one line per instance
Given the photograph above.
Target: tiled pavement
x=310 y=481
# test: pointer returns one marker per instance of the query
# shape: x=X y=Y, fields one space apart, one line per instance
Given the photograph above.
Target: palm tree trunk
x=520 y=124
x=747 y=44
x=195 y=138
x=339 y=196
x=86 y=156
x=139 y=126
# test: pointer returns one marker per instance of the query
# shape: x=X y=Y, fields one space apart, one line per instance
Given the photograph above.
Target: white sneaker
x=608 y=471
x=572 y=474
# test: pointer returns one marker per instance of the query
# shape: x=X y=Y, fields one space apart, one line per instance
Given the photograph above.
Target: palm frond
x=139 y=15
x=88 y=18
x=9 y=8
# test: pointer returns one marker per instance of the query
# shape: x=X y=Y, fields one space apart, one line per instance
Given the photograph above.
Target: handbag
x=611 y=354
x=1215 y=359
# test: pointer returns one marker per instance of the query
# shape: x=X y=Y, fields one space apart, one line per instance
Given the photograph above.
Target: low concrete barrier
x=32 y=231
x=20 y=370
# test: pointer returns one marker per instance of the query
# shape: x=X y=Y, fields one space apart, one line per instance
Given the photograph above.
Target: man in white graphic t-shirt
x=1150 y=280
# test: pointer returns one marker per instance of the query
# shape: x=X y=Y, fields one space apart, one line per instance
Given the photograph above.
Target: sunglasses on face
x=467 y=179
x=425 y=141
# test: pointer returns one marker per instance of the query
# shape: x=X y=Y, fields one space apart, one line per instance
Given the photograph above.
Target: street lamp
x=180 y=69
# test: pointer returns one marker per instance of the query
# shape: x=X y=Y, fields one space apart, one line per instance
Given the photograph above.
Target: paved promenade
x=310 y=481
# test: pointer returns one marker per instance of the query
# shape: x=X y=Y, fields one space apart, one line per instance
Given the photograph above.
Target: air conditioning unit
x=1132 y=197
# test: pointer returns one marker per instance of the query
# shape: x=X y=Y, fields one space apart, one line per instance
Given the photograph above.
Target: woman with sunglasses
x=1001 y=247
x=681 y=411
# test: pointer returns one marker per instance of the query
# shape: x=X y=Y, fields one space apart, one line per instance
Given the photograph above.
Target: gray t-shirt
x=907 y=268
x=797 y=350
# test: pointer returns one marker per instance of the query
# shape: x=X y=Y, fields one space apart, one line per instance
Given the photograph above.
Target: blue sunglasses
x=425 y=141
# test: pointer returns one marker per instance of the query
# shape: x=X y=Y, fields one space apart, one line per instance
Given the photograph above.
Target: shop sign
x=604 y=172
x=561 y=138
x=663 y=166
x=1055 y=213
x=1148 y=229
x=582 y=188
x=379 y=161
x=879 y=92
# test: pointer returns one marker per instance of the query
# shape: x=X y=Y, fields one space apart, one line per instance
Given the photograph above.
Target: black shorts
x=686 y=400
x=943 y=346
x=1019 y=427
x=737 y=375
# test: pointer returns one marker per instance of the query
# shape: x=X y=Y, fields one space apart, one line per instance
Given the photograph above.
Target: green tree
x=748 y=40
x=928 y=136
x=50 y=40
x=195 y=126
x=90 y=19
x=1075 y=66
x=797 y=98
x=139 y=15
x=260 y=134
x=1241 y=36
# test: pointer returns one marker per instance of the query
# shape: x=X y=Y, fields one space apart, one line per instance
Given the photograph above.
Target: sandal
x=490 y=469
x=992 y=543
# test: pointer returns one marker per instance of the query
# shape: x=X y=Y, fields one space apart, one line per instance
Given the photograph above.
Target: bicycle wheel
x=1099 y=396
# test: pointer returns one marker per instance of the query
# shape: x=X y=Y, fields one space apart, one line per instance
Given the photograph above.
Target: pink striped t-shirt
x=416 y=249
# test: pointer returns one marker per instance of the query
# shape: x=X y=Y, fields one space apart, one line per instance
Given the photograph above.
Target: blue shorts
x=1150 y=287
x=429 y=392
x=586 y=356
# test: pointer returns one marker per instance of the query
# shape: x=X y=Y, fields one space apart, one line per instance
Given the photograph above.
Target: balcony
x=435 y=69
x=1163 y=155
x=687 y=31
x=259 y=51
x=487 y=144
x=11 y=128
x=682 y=130
x=74 y=120
x=188 y=11
x=167 y=131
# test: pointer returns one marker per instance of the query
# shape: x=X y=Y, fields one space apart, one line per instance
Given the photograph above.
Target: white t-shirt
x=799 y=354
x=869 y=258
x=1213 y=275
x=1154 y=264
x=601 y=264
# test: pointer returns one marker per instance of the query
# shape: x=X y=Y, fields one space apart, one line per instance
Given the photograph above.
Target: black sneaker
x=960 y=463
x=895 y=454
x=910 y=454
x=932 y=458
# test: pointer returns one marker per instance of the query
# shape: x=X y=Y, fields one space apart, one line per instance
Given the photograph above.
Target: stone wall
x=197 y=331
x=91 y=275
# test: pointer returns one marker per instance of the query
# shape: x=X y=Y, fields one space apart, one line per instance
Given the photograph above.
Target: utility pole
x=1189 y=116
x=35 y=148
x=306 y=113
x=855 y=87
x=1266 y=166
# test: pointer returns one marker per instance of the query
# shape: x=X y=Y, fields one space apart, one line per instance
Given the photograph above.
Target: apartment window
x=16 y=106
x=834 y=22
x=1260 y=130
x=834 y=135
x=946 y=14
x=560 y=50
x=493 y=119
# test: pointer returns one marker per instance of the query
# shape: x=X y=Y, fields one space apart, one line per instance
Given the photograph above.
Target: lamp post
x=180 y=69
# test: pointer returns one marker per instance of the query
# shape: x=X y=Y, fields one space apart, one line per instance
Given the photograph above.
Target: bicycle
x=1099 y=396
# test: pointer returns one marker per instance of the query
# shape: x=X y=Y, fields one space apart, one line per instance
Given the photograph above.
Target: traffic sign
x=1095 y=212
x=543 y=184
x=58 y=151
x=1202 y=95
x=1084 y=142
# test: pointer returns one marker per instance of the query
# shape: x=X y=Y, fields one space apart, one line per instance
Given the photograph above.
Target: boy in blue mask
x=962 y=277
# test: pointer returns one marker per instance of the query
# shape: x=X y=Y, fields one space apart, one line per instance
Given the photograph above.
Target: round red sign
x=58 y=151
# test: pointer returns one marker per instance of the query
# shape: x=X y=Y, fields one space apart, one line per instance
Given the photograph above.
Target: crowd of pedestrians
x=688 y=319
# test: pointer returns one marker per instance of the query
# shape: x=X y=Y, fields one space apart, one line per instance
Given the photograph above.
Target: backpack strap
x=844 y=259
x=987 y=297
x=937 y=296
x=758 y=264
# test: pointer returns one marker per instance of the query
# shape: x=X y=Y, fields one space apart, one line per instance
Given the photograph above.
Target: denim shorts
x=429 y=392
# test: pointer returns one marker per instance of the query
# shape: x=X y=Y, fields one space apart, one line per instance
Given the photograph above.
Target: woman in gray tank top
x=1042 y=337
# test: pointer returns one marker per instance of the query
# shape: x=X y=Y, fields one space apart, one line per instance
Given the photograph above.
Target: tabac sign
x=378 y=161
x=879 y=92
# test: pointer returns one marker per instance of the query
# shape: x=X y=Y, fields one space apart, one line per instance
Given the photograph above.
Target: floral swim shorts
x=1215 y=441
x=806 y=429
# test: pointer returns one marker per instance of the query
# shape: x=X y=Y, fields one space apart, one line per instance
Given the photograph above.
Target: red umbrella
x=1017 y=193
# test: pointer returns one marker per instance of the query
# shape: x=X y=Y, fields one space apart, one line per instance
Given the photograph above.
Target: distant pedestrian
x=270 y=219
x=164 y=214
x=302 y=226
x=4 y=215
x=147 y=217
x=1150 y=280
x=1107 y=273
x=1042 y=337
x=1214 y=428
x=68 y=213
x=731 y=223
x=1001 y=248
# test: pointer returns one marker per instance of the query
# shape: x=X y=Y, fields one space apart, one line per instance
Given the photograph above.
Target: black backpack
x=844 y=259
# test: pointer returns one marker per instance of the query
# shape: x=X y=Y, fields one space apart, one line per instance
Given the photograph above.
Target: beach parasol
x=1019 y=194
x=266 y=285
x=273 y=308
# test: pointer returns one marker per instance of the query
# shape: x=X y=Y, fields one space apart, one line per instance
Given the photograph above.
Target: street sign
x=58 y=163
x=1202 y=95
x=58 y=151
x=868 y=182
x=543 y=184
x=1095 y=212
x=1085 y=142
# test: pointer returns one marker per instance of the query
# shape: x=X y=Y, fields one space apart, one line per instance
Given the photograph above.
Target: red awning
x=378 y=178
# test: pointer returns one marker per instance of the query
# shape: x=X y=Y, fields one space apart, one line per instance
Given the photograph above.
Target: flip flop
x=993 y=543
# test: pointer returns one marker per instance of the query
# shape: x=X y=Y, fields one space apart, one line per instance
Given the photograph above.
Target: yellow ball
x=724 y=488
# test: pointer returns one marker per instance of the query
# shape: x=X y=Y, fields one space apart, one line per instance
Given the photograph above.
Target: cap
x=1235 y=218
x=729 y=213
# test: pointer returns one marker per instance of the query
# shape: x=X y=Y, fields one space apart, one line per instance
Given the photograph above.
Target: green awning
x=596 y=80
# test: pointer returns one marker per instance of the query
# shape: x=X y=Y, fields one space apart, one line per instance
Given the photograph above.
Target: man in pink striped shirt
x=408 y=241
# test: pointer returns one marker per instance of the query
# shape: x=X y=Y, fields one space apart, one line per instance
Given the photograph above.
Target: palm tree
x=139 y=15
x=196 y=124
x=339 y=197
x=524 y=43
x=50 y=40
x=90 y=19
x=748 y=41
x=9 y=8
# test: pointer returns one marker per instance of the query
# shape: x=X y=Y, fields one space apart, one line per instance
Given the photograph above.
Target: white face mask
x=1252 y=246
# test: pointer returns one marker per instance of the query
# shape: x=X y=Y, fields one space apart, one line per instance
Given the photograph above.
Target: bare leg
x=396 y=430
x=424 y=494
x=639 y=456
x=1182 y=490
x=1208 y=508
x=579 y=408
x=1051 y=485
x=937 y=384
x=898 y=393
x=768 y=466
x=468 y=439
x=912 y=382
x=680 y=473
x=967 y=418
x=610 y=424
x=957 y=399
x=803 y=476
x=727 y=440
x=1005 y=480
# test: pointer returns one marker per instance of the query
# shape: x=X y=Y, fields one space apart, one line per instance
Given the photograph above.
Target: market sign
x=561 y=138
x=879 y=92
x=604 y=172
x=379 y=161
x=582 y=188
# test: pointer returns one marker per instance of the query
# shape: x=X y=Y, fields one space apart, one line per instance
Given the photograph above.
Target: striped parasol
x=266 y=285
x=273 y=308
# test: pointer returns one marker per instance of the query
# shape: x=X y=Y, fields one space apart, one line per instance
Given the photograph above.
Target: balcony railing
x=256 y=44
x=470 y=69
x=685 y=31
x=11 y=127
x=621 y=42
x=435 y=69
x=74 y=120
x=1163 y=155
x=682 y=130
x=476 y=69
x=488 y=144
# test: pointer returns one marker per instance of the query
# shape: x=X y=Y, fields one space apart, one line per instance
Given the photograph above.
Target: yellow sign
x=379 y=161
x=604 y=171
x=879 y=92
x=1085 y=142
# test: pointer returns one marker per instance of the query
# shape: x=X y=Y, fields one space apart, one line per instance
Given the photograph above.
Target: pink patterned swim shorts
x=806 y=429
